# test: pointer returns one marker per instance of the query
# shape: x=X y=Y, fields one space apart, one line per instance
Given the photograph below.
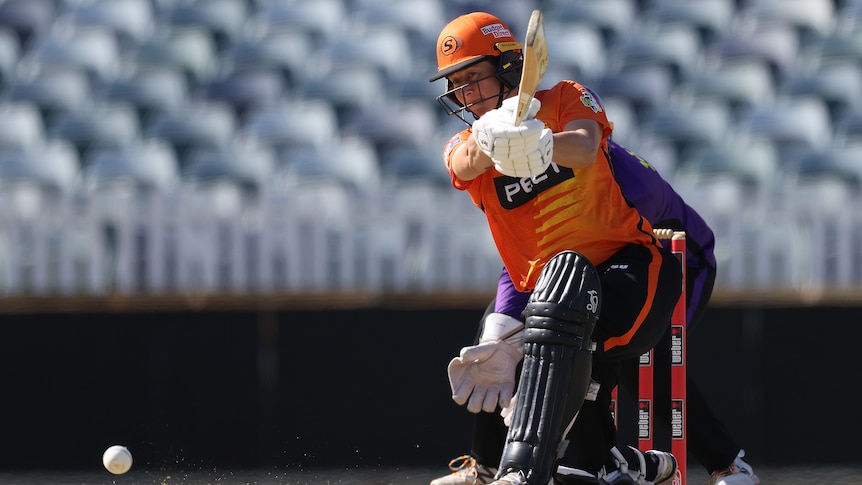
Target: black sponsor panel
x=514 y=192
x=368 y=387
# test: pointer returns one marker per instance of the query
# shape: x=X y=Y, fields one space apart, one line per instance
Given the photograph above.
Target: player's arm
x=467 y=161
x=576 y=146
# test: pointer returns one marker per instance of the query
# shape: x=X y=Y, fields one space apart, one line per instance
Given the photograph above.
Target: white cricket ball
x=117 y=459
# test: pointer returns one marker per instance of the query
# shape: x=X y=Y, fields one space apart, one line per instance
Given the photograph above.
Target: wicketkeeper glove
x=483 y=375
x=518 y=151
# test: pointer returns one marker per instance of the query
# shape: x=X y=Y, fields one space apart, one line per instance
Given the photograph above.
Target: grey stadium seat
x=131 y=21
x=53 y=92
x=101 y=125
x=149 y=91
x=198 y=125
x=21 y=125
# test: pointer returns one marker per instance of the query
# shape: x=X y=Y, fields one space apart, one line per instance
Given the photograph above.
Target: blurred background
x=204 y=200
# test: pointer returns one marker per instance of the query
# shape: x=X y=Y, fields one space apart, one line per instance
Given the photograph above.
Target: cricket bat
x=535 y=63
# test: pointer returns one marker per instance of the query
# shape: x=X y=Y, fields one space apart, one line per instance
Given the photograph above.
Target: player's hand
x=483 y=376
x=517 y=151
x=509 y=105
x=506 y=412
x=528 y=161
x=494 y=131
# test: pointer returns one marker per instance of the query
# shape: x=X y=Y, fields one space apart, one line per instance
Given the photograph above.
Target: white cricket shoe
x=666 y=467
x=512 y=478
x=738 y=473
x=465 y=471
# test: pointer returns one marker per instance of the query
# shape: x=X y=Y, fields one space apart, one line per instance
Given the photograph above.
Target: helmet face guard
x=510 y=63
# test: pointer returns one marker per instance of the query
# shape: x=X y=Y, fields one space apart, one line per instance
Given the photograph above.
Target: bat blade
x=535 y=64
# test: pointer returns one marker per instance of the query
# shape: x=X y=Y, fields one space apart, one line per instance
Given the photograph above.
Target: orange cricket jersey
x=534 y=218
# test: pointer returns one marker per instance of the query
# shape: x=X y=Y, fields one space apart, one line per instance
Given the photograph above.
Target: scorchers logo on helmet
x=449 y=45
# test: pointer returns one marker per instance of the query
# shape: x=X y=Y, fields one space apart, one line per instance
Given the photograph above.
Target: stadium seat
x=131 y=21
x=198 y=125
x=320 y=18
x=621 y=113
x=53 y=166
x=644 y=87
x=709 y=17
x=839 y=45
x=101 y=125
x=588 y=59
x=29 y=19
x=147 y=164
x=753 y=163
x=54 y=92
x=676 y=47
x=245 y=89
x=413 y=165
x=688 y=125
x=190 y=49
x=419 y=19
x=386 y=48
x=837 y=83
x=791 y=123
x=10 y=51
x=515 y=13
x=811 y=18
x=285 y=51
x=222 y=19
x=775 y=44
x=849 y=126
x=742 y=84
x=841 y=161
x=246 y=165
x=346 y=88
x=399 y=123
x=614 y=18
x=291 y=124
x=150 y=91
x=351 y=162
x=21 y=125
x=93 y=50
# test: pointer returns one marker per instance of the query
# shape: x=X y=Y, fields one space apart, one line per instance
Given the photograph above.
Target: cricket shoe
x=512 y=478
x=465 y=471
x=738 y=473
x=652 y=467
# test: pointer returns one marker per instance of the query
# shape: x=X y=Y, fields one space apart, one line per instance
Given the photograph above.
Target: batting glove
x=483 y=375
x=494 y=131
x=528 y=160
x=517 y=151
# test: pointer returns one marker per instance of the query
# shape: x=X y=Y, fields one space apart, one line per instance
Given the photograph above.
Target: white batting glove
x=527 y=160
x=511 y=104
x=483 y=375
x=494 y=131
x=506 y=412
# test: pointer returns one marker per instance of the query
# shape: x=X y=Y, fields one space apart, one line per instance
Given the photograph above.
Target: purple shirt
x=659 y=203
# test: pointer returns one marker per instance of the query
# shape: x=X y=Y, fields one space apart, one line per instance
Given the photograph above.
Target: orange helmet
x=472 y=38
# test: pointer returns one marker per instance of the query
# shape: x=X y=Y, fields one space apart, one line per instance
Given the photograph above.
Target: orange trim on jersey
x=654 y=270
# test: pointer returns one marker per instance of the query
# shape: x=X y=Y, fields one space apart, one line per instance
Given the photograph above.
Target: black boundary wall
x=367 y=386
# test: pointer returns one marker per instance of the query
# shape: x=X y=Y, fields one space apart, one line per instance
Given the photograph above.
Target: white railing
x=319 y=238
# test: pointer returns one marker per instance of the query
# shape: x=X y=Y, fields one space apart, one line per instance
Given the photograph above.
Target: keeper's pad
x=560 y=317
